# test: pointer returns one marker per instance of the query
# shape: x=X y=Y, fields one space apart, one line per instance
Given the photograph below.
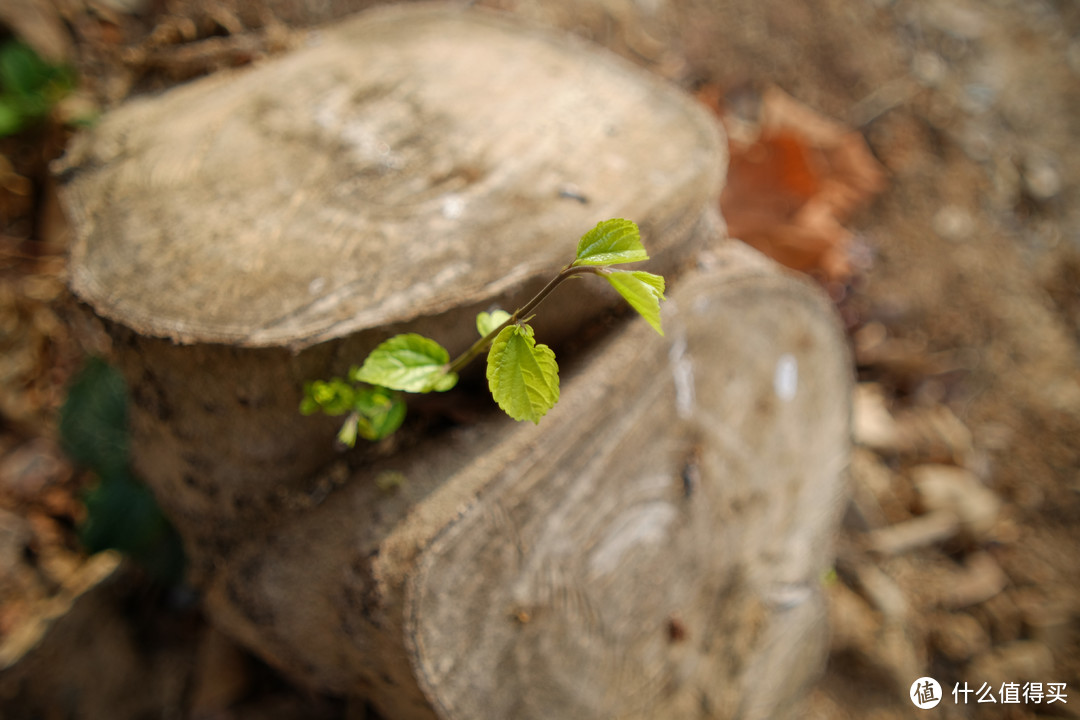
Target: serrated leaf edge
x=496 y=356
x=622 y=228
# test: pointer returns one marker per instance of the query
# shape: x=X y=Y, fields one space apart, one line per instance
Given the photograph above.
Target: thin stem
x=480 y=345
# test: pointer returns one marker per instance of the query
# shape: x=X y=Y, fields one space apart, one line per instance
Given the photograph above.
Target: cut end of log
x=412 y=161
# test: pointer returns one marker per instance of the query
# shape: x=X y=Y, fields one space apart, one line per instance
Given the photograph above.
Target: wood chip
x=1018 y=662
x=915 y=533
x=873 y=425
x=883 y=593
x=981 y=579
x=958 y=636
x=944 y=488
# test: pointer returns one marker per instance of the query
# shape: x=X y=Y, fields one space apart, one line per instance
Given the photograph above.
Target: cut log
x=254 y=230
x=653 y=548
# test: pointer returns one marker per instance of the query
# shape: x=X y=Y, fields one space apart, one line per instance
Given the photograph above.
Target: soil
x=959 y=558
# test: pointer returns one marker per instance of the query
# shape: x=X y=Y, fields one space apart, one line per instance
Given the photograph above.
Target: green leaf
x=94 y=419
x=29 y=86
x=333 y=397
x=121 y=512
x=374 y=413
x=523 y=376
x=347 y=434
x=24 y=73
x=409 y=362
x=11 y=119
x=354 y=373
x=611 y=242
x=643 y=291
x=486 y=322
x=381 y=412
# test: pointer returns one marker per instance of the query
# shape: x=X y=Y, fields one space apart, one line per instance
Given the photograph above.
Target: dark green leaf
x=122 y=514
x=93 y=420
x=29 y=86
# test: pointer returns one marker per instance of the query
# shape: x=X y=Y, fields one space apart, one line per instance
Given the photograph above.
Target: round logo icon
x=925 y=693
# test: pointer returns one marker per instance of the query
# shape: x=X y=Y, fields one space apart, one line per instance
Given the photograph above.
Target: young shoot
x=522 y=375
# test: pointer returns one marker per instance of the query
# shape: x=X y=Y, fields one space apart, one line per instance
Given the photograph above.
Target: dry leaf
x=793 y=184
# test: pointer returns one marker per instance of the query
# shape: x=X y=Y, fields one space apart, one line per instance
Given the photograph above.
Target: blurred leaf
x=378 y=412
x=121 y=512
x=11 y=119
x=382 y=409
x=333 y=397
x=486 y=322
x=29 y=86
x=93 y=420
x=347 y=434
x=793 y=183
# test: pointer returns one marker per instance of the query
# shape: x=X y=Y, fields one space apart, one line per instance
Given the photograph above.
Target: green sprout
x=522 y=375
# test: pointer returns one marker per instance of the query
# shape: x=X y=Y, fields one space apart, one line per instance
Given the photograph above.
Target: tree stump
x=653 y=548
x=257 y=229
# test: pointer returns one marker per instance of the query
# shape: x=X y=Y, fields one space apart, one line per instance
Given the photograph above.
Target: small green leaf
x=121 y=512
x=611 y=242
x=354 y=373
x=374 y=411
x=333 y=397
x=94 y=419
x=347 y=434
x=409 y=362
x=643 y=291
x=29 y=86
x=11 y=119
x=486 y=322
x=374 y=400
x=523 y=376
x=381 y=412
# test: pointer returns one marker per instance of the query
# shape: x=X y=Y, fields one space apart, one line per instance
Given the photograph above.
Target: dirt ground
x=959 y=557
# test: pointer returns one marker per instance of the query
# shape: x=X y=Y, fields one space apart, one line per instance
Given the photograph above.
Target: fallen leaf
x=794 y=182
